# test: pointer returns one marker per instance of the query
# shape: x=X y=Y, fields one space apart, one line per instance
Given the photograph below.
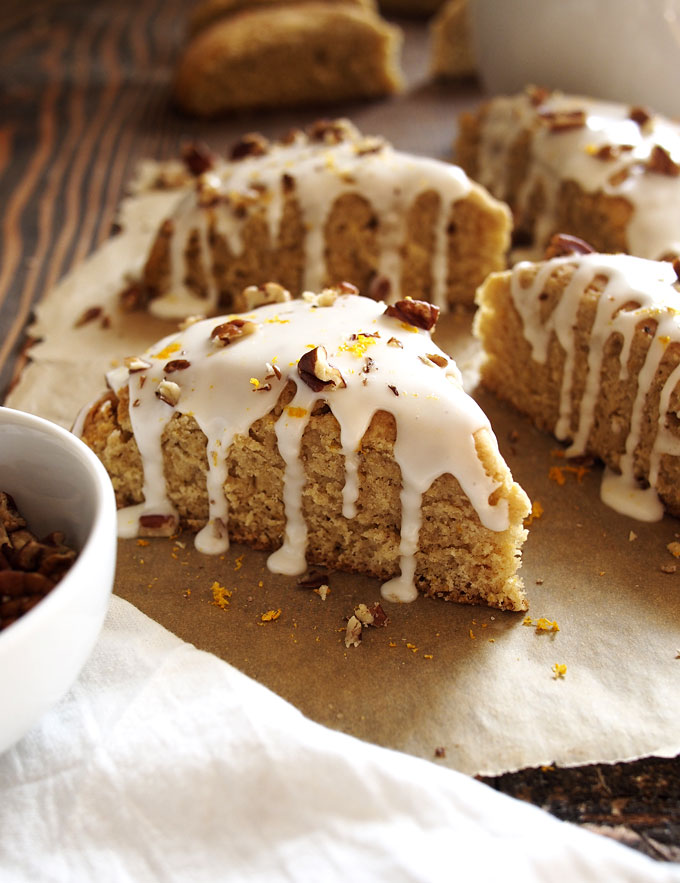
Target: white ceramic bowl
x=620 y=50
x=57 y=484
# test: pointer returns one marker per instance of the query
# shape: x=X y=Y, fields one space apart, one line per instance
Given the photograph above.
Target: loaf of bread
x=607 y=173
x=288 y=55
x=330 y=429
x=588 y=345
x=318 y=208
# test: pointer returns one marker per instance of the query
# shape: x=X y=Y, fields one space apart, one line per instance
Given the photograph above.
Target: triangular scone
x=321 y=207
x=607 y=173
x=329 y=428
x=588 y=345
x=287 y=56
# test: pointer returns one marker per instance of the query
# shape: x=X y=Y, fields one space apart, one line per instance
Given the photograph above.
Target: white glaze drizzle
x=654 y=229
x=629 y=280
x=435 y=419
x=389 y=179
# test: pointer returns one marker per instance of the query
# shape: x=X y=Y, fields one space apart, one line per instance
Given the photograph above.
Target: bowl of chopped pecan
x=57 y=563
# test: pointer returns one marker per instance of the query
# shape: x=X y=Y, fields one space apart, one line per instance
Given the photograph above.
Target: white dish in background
x=621 y=50
x=57 y=484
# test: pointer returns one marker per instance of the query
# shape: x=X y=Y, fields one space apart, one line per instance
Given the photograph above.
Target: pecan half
x=234 y=329
x=420 y=313
x=562 y=244
x=317 y=372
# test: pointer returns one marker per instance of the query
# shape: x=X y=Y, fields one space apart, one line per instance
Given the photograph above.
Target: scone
x=607 y=173
x=328 y=428
x=588 y=345
x=305 y=53
x=209 y=11
x=318 y=208
x=452 y=54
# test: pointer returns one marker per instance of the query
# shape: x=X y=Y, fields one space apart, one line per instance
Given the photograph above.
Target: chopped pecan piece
x=380 y=288
x=134 y=297
x=258 y=295
x=197 y=157
x=538 y=94
x=439 y=360
x=640 y=115
x=330 y=131
x=252 y=144
x=316 y=371
x=661 y=163
x=562 y=244
x=208 y=190
x=314 y=578
x=563 y=120
x=157 y=525
x=353 y=632
x=135 y=364
x=176 y=365
x=419 y=313
x=676 y=267
x=89 y=315
x=169 y=392
x=228 y=332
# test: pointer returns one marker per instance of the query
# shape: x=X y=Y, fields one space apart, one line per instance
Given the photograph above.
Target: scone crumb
x=270 y=615
x=674 y=549
x=353 y=632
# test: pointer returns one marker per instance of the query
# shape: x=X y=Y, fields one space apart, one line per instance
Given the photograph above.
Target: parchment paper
x=472 y=686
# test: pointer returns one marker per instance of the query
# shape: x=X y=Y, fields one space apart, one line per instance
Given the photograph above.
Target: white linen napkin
x=165 y=763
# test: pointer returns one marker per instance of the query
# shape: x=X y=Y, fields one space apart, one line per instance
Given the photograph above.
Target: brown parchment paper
x=477 y=683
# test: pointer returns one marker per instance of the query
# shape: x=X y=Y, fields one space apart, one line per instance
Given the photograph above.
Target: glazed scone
x=319 y=208
x=289 y=56
x=328 y=428
x=588 y=345
x=607 y=173
x=452 y=54
x=209 y=11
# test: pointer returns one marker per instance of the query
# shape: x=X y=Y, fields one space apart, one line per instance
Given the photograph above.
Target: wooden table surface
x=83 y=96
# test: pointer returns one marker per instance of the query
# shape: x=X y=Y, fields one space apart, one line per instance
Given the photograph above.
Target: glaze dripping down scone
x=605 y=172
x=322 y=207
x=330 y=429
x=588 y=345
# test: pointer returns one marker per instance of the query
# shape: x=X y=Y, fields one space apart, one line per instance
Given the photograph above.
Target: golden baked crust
x=625 y=415
x=288 y=56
